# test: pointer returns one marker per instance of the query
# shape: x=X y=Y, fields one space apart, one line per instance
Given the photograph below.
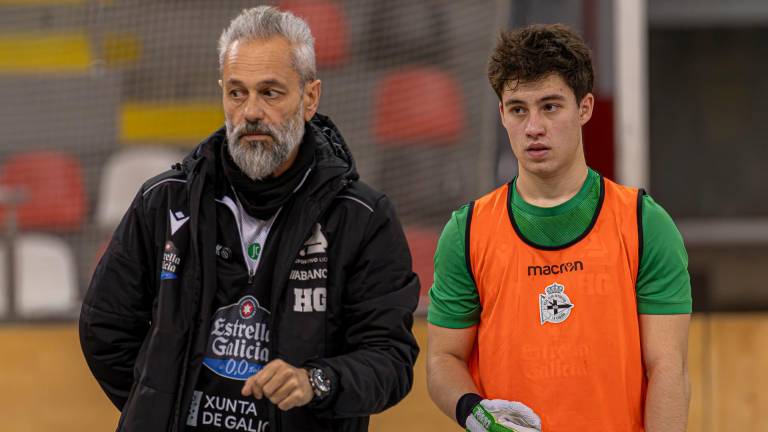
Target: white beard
x=260 y=159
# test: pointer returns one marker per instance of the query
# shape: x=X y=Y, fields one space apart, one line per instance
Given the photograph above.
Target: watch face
x=321 y=383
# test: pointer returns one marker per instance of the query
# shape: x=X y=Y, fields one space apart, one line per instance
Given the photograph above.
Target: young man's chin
x=545 y=168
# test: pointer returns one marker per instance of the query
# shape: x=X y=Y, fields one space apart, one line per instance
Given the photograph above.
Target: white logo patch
x=309 y=299
x=315 y=244
x=554 y=306
x=177 y=220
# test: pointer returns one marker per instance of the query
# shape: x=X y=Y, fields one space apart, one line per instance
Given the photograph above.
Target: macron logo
x=177 y=220
x=555 y=268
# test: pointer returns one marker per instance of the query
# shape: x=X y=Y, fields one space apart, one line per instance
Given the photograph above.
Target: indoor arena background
x=97 y=96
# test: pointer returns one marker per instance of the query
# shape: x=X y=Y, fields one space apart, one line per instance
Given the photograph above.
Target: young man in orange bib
x=561 y=300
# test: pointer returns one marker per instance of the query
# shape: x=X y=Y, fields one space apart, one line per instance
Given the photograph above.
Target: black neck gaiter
x=262 y=198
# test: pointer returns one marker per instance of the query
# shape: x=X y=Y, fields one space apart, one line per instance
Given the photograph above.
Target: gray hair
x=264 y=22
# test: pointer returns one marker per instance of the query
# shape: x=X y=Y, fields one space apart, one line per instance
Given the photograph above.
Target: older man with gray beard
x=259 y=285
x=259 y=160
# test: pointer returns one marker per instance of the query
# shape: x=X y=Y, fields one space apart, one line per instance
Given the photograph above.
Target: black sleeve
x=116 y=311
x=382 y=295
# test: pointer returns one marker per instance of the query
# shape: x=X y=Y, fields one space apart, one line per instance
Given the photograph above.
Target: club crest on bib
x=554 y=304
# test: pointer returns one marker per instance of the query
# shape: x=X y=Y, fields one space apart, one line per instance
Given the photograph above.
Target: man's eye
x=550 y=107
x=236 y=93
x=271 y=93
x=517 y=110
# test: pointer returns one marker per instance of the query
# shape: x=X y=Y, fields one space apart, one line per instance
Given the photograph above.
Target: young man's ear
x=501 y=113
x=586 y=106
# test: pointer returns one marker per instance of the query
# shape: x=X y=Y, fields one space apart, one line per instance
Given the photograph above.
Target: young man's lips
x=537 y=151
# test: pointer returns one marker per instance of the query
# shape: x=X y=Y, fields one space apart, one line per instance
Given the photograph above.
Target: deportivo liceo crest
x=554 y=305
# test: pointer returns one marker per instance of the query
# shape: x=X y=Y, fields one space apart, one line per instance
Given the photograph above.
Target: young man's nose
x=534 y=127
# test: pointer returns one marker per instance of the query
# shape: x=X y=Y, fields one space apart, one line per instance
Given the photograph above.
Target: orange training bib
x=559 y=327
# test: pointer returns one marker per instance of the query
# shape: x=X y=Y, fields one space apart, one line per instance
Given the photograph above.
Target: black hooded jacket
x=144 y=335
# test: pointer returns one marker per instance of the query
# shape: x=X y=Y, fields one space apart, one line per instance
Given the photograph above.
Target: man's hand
x=501 y=415
x=284 y=385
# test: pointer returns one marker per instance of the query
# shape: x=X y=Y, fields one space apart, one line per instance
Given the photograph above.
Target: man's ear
x=311 y=100
x=501 y=112
x=586 y=106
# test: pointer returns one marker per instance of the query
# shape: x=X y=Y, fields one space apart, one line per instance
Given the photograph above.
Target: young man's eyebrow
x=552 y=97
x=513 y=101
x=547 y=98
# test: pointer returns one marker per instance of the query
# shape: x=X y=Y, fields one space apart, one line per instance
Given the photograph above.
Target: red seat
x=329 y=27
x=418 y=106
x=53 y=188
x=422 y=243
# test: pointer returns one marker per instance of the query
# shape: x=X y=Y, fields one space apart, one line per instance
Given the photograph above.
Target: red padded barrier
x=329 y=28
x=418 y=106
x=53 y=188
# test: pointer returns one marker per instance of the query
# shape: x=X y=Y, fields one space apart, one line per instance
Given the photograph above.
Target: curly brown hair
x=531 y=53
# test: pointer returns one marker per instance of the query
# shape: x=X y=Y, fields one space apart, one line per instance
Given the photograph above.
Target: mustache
x=253 y=128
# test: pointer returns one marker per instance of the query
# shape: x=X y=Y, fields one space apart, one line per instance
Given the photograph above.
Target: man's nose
x=253 y=109
x=535 y=125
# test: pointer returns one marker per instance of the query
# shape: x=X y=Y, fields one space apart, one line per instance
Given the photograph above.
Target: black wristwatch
x=320 y=383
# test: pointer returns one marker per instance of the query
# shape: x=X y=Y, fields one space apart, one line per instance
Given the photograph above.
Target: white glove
x=502 y=416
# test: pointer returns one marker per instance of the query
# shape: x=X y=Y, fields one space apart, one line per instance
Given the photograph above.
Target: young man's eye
x=517 y=110
x=550 y=107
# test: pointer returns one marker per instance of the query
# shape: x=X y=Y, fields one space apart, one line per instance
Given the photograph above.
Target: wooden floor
x=46 y=385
